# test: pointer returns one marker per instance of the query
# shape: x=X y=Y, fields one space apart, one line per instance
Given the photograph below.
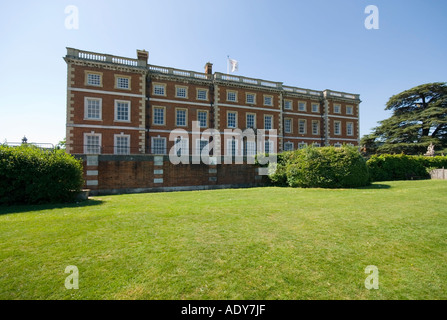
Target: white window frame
x=86 y=108
x=300 y=104
x=250 y=94
x=156 y=86
x=337 y=108
x=179 y=89
x=177 y=117
x=285 y=104
x=337 y=124
x=268 y=100
x=117 y=82
x=350 y=110
x=203 y=91
x=115 y=143
x=128 y=111
x=304 y=127
x=268 y=116
x=350 y=128
x=88 y=79
x=206 y=118
x=86 y=145
x=254 y=120
x=290 y=120
x=231 y=92
x=317 y=110
x=317 y=122
x=235 y=119
x=153 y=149
x=153 y=115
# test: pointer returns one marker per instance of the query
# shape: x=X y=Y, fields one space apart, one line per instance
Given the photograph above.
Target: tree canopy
x=419 y=118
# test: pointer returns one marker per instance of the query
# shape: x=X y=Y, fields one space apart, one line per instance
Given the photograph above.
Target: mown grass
x=260 y=243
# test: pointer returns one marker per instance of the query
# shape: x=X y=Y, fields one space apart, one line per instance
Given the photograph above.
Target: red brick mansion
x=127 y=107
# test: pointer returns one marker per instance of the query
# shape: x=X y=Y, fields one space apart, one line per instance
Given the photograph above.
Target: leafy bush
x=326 y=167
x=387 y=167
x=30 y=175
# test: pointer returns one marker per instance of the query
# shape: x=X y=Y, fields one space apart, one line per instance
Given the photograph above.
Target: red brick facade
x=122 y=106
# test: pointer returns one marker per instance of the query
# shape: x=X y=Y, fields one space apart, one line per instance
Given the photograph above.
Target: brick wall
x=112 y=174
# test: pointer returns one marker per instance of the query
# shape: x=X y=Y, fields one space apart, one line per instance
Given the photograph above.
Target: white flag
x=234 y=65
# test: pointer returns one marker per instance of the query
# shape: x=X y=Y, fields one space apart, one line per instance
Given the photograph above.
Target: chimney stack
x=143 y=55
x=209 y=68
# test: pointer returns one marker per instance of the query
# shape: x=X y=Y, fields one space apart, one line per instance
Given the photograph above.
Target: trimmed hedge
x=323 y=167
x=388 y=167
x=29 y=175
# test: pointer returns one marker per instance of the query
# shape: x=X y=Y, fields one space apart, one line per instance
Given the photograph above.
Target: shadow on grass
x=376 y=186
x=39 y=207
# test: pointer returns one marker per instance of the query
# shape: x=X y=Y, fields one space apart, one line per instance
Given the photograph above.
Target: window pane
x=122 y=83
x=159 y=90
x=349 y=110
x=122 y=145
x=158 y=146
x=315 y=127
x=288 y=125
x=250 y=120
x=201 y=94
x=159 y=116
x=93 y=109
x=181 y=92
x=302 y=126
x=122 y=111
x=181 y=117
x=268 y=101
x=92 y=144
x=231 y=120
x=202 y=118
x=94 y=79
x=267 y=122
x=337 y=127
x=349 y=129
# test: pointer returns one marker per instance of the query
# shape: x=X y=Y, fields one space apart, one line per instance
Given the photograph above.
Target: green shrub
x=279 y=177
x=387 y=167
x=325 y=167
x=30 y=175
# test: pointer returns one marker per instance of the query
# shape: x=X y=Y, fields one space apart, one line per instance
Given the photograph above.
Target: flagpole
x=228 y=65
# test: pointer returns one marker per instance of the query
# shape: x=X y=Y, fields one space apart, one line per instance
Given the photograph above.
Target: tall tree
x=419 y=118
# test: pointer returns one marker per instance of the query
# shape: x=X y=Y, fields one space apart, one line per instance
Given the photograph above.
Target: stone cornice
x=106 y=65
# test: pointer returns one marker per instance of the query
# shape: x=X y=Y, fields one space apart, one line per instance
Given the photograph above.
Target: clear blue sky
x=319 y=44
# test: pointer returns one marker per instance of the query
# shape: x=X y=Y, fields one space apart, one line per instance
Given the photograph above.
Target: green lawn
x=260 y=243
